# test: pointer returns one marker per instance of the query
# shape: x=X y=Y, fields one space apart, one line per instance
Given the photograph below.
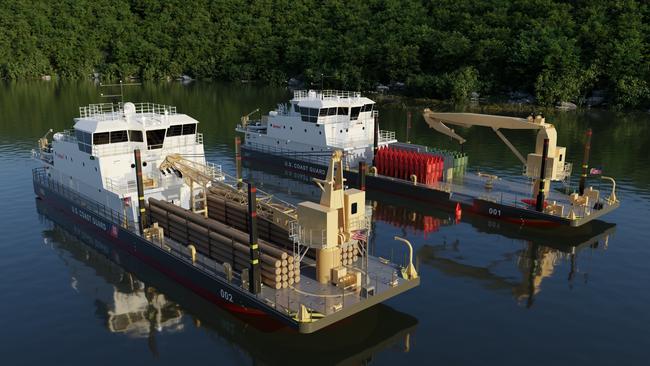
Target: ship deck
x=513 y=193
x=327 y=302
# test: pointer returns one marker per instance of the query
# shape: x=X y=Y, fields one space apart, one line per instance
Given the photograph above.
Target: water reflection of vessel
x=531 y=261
x=298 y=136
x=530 y=255
x=122 y=279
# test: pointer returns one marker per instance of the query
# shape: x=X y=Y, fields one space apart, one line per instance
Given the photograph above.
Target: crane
x=244 y=119
x=211 y=180
x=556 y=168
x=192 y=173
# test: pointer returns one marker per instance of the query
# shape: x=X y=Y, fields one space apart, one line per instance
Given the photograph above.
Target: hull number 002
x=494 y=211
x=225 y=295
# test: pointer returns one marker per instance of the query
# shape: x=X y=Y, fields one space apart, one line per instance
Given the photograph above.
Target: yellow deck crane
x=556 y=168
x=195 y=175
x=211 y=181
x=244 y=119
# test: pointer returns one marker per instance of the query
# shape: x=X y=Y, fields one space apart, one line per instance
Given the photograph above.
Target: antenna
x=121 y=85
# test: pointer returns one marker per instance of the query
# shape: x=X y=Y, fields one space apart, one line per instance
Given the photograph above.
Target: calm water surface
x=490 y=293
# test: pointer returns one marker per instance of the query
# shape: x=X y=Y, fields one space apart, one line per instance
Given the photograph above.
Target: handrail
x=117 y=218
x=116 y=110
x=317 y=157
x=324 y=94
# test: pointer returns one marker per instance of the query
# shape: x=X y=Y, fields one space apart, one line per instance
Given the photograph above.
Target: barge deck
x=507 y=200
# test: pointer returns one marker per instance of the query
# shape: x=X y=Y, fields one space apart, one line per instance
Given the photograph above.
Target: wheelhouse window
x=304 y=114
x=327 y=112
x=189 y=129
x=119 y=136
x=135 y=135
x=343 y=111
x=313 y=115
x=100 y=138
x=367 y=107
x=354 y=113
x=296 y=108
x=84 y=141
x=309 y=114
x=155 y=139
x=175 y=130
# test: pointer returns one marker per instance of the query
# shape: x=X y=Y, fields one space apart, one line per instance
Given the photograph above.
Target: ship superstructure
x=95 y=158
x=314 y=123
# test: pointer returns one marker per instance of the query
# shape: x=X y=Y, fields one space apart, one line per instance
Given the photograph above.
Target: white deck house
x=314 y=122
x=96 y=157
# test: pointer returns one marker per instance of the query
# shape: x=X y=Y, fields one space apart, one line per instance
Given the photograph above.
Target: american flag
x=595 y=171
x=359 y=235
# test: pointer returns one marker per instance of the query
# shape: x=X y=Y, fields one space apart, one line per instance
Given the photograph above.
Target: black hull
x=417 y=193
x=183 y=272
x=370 y=331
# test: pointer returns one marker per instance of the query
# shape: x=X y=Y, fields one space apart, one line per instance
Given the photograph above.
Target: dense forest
x=555 y=50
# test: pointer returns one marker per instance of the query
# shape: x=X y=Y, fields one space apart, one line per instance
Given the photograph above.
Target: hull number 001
x=494 y=211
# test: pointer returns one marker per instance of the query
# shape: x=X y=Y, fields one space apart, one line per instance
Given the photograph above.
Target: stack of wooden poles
x=224 y=243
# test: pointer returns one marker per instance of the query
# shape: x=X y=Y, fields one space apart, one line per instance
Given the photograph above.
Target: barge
x=298 y=137
x=138 y=301
x=135 y=175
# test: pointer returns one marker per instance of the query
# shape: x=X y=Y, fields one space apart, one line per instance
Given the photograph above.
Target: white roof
x=329 y=98
x=137 y=118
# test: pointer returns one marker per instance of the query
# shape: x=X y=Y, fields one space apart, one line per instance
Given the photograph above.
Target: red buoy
x=459 y=211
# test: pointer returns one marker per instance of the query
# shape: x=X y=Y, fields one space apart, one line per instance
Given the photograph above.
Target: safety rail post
x=138 y=177
x=585 y=163
x=539 y=206
x=362 y=175
x=254 y=275
x=238 y=162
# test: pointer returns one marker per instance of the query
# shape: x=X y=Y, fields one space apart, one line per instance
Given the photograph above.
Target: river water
x=490 y=293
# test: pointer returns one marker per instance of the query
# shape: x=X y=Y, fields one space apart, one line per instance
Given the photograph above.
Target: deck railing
x=386 y=136
x=324 y=94
x=316 y=157
x=106 y=111
x=118 y=218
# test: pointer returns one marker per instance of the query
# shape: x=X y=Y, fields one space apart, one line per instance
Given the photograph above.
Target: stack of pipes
x=234 y=214
x=349 y=255
x=223 y=243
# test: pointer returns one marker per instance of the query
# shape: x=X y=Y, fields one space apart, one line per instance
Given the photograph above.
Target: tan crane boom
x=192 y=173
x=556 y=168
x=210 y=180
x=245 y=118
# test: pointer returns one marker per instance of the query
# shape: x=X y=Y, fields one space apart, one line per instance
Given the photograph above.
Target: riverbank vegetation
x=553 y=50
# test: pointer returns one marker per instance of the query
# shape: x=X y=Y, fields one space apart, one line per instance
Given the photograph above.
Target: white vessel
x=95 y=158
x=135 y=175
x=298 y=138
x=314 y=123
